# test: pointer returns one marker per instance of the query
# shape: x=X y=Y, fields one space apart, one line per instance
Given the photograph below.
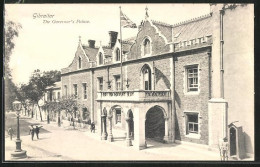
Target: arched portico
x=134 y=117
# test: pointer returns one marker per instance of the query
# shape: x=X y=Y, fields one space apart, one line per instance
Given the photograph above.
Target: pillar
x=104 y=130
x=110 y=135
x=166 y=136
x=128 y=139
x=139 y=129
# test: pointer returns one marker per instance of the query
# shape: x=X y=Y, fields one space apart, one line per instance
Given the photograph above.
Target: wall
x=239 y=69
x=197 y=102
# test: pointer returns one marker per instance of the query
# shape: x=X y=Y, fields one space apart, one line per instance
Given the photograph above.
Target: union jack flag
x=126 y=22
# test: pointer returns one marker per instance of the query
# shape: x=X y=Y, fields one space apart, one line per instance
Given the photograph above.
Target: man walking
x=32 y=130
x=10 y=133
x=37 y=131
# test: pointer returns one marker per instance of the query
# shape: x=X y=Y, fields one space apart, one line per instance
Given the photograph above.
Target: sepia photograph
x=128 y=82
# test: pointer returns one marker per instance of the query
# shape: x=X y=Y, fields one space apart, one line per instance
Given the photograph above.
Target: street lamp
x=18 y=153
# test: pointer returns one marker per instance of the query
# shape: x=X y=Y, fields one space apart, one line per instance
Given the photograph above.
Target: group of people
x=35 y=130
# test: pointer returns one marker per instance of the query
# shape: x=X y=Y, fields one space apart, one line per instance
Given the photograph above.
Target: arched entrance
x=155 y=124
x=233 y=148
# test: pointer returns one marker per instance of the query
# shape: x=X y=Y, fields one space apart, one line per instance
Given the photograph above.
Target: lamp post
x=18 y=153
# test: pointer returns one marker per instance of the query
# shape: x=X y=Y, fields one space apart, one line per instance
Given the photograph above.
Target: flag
x=126 y=22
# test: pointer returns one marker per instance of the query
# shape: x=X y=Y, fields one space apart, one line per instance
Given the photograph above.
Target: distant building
x=53 y=92
x=182 y=82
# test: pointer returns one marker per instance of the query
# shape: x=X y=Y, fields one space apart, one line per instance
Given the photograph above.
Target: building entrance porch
x=141 y=121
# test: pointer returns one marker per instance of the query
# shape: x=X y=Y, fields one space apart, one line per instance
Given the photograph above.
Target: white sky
x=53 y=46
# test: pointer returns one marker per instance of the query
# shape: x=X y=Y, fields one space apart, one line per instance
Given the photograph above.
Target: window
x=146 y=46
x=54 y=96
x=147 y=77
x=66 y=90
x=117 y=82
x=84 y=85
x=85 y=113
x=79 y=62
x=192 y=78
x=100 y=57
x=117 y=55
x=75 y=86
x=192 y=123
x=58 y=95
x=118 y=116
x=100 y=82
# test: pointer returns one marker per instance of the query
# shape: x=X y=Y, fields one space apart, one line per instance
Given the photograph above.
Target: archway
x=155 y=124
x=233 y=148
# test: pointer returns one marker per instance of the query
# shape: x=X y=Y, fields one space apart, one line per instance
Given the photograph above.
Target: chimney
x=112 y=38
x=91 y=43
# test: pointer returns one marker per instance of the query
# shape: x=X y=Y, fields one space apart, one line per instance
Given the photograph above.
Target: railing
x=134 y=95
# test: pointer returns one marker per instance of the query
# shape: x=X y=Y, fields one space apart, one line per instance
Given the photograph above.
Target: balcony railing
x=134 y=95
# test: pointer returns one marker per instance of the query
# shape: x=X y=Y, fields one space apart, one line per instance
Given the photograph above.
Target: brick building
x=170 y=84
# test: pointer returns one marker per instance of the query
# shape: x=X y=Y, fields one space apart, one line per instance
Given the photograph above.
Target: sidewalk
x=171 y=151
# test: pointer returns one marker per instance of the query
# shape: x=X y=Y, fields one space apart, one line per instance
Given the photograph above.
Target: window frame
x=117 y=82
x=117 y=120
x=118 y=55
x=99 y=83
x=84 y=91
x=100 y=58
x=187 y=88
x=144 y=48
x=75 y=90
x=66 y=90
x=79 y=62
x=187 y=132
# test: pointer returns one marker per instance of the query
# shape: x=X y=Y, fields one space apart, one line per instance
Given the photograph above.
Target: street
x=64 y=143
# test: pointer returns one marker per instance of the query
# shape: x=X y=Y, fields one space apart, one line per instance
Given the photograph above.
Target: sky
x=46 y=44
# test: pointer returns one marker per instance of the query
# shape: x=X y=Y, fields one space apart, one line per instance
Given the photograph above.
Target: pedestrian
x=32 y=130
x=10 y=133
x=224 y=149
x=92 y=127
x=37 y=131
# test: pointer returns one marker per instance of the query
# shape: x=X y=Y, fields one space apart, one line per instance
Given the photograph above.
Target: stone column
x=103 y=123
x=128 y=139
x=110 y=135
x=166 y=136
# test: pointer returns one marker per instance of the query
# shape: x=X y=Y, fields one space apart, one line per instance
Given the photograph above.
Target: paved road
x=59 y=143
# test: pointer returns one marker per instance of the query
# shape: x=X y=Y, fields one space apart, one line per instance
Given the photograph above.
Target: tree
x=71 y=105
x=11 y=32
x=23 y=96
x=38 y=83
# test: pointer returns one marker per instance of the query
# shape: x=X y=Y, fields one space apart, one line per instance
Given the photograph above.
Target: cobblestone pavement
x=64 y=143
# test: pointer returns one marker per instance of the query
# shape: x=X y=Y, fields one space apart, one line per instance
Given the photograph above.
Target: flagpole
x=121 y=43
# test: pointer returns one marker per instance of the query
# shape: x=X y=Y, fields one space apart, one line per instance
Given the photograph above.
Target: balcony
x=134 y=95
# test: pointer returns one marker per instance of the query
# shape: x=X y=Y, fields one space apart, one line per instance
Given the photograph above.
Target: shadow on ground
x=11 y=121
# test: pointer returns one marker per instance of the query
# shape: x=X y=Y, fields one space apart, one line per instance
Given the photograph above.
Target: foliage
x=10 y=93
x=38 y=83
x=11 y=31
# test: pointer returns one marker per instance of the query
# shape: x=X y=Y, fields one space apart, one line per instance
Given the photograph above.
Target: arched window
x=146 y=71
x=79 y=62
x=117 y=55
x=146 y=46
x=100 y=58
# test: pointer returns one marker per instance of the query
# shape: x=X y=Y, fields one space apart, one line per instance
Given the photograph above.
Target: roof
x=90 y=52
x=186 y=30
x=193 y=29
x=56 y=85
x=107 y=51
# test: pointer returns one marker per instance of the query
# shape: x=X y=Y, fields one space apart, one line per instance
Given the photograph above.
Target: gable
x=159 y=43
